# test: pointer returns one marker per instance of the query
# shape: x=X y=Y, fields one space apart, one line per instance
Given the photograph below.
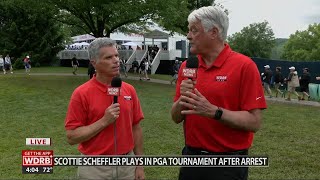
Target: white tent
x=84 y=44
x=76 y=44
x=130 y=44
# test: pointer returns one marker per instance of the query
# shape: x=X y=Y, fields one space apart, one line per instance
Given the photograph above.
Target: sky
x=284 y=16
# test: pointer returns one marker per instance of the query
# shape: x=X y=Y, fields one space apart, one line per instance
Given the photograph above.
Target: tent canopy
x=84 y=43
x=156 y=34
x=130 y=44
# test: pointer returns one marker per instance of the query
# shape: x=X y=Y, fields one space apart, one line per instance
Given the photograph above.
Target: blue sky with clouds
x=284 y=16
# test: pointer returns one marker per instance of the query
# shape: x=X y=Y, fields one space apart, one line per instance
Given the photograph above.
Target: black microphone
x=116 y=83
x=191 y=67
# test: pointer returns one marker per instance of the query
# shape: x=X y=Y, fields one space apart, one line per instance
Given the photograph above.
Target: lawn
x=35 y=106
x=83 y=70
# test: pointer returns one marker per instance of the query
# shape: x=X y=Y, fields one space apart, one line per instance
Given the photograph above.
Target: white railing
x=138 y=54
x=155 y=62
x=130 y=60
x=125 y=54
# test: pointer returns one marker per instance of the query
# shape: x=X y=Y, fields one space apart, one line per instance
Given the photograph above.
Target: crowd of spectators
x=286 y=84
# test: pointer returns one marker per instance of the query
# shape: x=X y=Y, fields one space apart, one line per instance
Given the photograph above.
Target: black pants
x=212 y=173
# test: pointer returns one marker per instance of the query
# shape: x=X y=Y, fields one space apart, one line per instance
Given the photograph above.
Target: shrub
x=18 y=64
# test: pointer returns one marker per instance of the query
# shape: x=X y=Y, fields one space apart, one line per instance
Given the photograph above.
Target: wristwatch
x=218 y=114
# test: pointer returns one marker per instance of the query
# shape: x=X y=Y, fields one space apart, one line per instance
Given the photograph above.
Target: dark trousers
x=212 y=173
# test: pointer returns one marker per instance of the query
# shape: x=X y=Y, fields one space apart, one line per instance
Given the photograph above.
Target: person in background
x=91 y=70
x=293 y=83
x=180 y=62
x=147 y=65
x=135 y=65
x=100 y=126
x=278 y=81
x=143 y=69
x=123 y=68
x=304 y=83
x=2 y=64
x=27 y=64
x=74 y=64
x=8 y=64
x=175 y=70
x=266 y=78
x=222 y=108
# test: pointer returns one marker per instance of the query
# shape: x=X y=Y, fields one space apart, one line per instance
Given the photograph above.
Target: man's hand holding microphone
x=111 y=114
x=113 y=111
x=191 y=99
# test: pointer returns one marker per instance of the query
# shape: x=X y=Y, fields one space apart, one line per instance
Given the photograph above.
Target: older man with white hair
x=222 y=108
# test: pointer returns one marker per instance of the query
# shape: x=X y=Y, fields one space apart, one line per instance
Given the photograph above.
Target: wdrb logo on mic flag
x=189 y=72
x=113 y=91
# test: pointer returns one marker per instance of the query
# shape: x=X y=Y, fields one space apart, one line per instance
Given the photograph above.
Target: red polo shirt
x=88 y=104
x=231 y=82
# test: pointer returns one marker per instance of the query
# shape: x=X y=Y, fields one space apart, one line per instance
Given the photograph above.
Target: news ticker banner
x=43 y=161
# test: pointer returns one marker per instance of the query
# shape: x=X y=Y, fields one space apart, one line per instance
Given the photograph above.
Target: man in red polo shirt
x=92 y=118
x=221 y=108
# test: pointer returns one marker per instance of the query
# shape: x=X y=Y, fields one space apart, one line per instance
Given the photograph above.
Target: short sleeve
x=76 y=114
x=251 y=91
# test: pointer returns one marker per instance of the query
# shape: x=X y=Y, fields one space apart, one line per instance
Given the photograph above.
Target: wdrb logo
x=113 y=91
x=221 y=78
x=189 y=72
x=37 y=158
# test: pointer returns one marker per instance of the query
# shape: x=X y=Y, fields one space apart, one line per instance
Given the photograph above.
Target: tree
x=277 y=50
x=27 y=27
x=100 y=17
x=255 y=40
x=303 y=45
x=174 y=18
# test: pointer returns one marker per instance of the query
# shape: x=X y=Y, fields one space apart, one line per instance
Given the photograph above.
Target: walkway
x=279 y=100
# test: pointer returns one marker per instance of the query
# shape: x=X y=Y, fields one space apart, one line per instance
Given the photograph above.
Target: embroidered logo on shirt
x=221 y=78
x=258 y=98
x=127 y=97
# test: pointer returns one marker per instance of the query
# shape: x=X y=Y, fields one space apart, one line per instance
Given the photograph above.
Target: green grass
x=81 y=70
x=35 y=106
x=84 y=70
x=155 y=76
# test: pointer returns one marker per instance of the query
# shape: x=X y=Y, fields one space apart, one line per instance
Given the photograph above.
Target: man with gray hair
x=93 y=118
x=222 y=108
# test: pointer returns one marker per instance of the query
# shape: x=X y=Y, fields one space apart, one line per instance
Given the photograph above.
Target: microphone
x=191 y=68
x=114 y=90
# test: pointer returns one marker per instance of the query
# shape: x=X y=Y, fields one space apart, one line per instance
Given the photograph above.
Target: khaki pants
x=107 y=172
